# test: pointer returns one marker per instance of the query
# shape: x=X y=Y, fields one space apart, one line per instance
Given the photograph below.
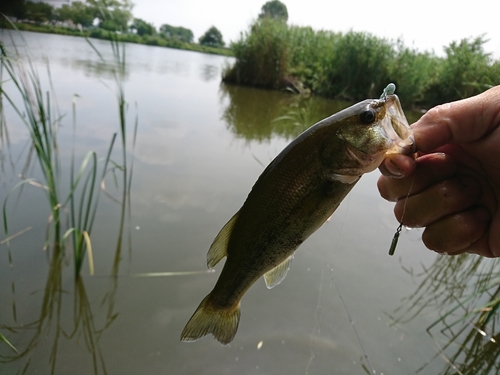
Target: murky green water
x=200 y=147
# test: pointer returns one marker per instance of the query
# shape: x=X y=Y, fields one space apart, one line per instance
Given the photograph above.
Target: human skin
x=454 y=177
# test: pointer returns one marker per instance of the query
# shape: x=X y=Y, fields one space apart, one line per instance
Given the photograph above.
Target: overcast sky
x=424 y=24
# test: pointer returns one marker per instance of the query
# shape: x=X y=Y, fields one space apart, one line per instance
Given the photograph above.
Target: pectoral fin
x=345 y=179
x=218 y=249
x=278 y=273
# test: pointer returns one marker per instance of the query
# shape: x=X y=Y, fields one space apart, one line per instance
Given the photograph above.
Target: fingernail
x=394 y=169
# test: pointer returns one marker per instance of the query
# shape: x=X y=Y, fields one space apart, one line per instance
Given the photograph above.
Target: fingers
x=458 y=233
x=437 y=201
x=428 y=170
x=463 y=121
x=397 y=166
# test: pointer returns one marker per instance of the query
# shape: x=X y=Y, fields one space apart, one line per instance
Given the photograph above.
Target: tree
x=39 y=12
x=212 y=38
x=77 y=12
x=274 y=9
x=179 y=33
x=142 y=27
x=14 y=8
x=113 y=15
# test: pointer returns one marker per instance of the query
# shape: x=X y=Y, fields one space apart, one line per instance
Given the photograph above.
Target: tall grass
x=126 y=166
x=357 y=65
x=40 y=116
x=72 y=214
x=261 y=55
x=465 y=291
x=42 y=120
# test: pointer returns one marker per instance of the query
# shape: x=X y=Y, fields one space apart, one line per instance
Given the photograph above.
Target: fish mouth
x=397 y=128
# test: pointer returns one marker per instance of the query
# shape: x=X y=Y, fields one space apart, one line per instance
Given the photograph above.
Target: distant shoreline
x=128 y=38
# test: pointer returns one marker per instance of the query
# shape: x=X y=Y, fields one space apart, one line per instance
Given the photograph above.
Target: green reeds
x=4 y=339
x=126 y=166
x=261 y=55
x=37 y=115
x=36 y=111
x=465 y=291
x=72 y=214
x=358 y=65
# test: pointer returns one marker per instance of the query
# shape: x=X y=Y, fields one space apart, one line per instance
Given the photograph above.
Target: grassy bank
x=357 y=65
x=127 y=38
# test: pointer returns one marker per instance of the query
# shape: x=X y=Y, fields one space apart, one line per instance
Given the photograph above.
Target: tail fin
x=222 y=323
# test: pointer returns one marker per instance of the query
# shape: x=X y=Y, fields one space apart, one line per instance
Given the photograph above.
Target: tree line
x=110 y=15
x=356 y=65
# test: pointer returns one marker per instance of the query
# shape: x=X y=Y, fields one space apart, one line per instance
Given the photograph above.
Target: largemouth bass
x=298 y=191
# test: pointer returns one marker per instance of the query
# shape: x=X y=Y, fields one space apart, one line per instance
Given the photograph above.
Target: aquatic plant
x=72 y=212
x=356 y=65
x=261 y=55
x=43 y=121
x=50 y=329
x=38 y=116
x=4 y=339
x=465 y=290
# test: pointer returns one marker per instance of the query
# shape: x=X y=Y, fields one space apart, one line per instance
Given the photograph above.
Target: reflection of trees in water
x=97 y=68
x=465 y=291
x=256 y=114
x=209 y=72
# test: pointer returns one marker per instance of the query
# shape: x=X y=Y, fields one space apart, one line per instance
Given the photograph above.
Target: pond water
x=345 y=307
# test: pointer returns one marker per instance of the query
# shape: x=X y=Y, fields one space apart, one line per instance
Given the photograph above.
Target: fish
x=295 y=194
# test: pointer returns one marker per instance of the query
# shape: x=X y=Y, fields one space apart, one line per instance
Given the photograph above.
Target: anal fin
x=278 y=273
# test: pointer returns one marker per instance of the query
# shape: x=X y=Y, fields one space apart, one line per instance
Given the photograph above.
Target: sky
x=424 y=24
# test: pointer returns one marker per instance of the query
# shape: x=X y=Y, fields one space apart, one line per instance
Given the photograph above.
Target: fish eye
x=367 y=117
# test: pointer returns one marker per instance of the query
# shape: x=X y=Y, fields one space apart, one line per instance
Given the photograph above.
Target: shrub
x=261 y=55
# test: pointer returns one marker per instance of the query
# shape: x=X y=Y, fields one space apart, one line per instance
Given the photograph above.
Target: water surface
x=200 y=147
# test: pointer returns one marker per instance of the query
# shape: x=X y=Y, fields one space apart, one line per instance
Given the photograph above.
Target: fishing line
x=344 y=305
x=395 y=239
x=358 y=338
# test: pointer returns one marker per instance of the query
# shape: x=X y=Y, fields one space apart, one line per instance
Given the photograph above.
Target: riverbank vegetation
x=105 y=20
x=275 y=55
x=357 y=65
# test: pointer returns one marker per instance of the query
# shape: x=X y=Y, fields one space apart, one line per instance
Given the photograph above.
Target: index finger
x=463 y=121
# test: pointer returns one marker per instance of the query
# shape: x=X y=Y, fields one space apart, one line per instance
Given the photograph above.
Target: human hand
x=455 y=178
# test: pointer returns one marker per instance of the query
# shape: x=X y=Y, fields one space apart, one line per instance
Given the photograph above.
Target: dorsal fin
x=218 y=249
x=278 y=273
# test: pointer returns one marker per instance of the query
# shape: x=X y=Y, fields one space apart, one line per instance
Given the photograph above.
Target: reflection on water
x=66 y=321
x=210 y=72
x=200 y=147
x=251 y=116
x=272 y=113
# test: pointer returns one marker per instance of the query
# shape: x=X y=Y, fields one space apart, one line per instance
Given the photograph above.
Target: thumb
x=463 y=121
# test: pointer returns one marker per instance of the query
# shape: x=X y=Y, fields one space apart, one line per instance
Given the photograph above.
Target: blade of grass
x=4 y=339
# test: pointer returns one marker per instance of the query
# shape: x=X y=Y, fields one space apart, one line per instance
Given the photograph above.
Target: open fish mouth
x=397 y=128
